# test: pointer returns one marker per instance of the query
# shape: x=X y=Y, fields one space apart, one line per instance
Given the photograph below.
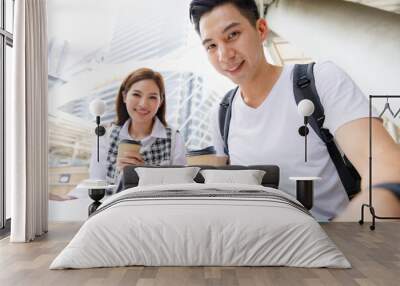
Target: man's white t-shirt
x=269 y=134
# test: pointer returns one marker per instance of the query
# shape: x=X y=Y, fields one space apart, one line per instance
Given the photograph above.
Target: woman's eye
x=135 y=94
x=210 y=47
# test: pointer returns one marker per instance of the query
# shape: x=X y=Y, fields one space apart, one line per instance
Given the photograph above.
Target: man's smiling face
x=233 y=45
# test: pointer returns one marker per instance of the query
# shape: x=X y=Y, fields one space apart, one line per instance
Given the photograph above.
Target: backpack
x=303 y=88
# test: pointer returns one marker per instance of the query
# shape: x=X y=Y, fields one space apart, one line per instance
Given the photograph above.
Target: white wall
x=362 y=40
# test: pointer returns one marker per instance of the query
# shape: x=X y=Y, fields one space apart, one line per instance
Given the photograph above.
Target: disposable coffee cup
x=126 y=145
x=206 y=156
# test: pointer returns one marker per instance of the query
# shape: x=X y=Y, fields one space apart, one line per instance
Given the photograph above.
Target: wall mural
x=88 y=59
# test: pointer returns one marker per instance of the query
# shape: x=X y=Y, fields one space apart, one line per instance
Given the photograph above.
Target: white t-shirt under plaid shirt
x=98 y=170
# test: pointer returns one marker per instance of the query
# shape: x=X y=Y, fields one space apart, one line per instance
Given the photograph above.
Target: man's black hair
x=198 y=8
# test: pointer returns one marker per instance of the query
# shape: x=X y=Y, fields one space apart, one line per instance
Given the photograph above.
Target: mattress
x=201 y=225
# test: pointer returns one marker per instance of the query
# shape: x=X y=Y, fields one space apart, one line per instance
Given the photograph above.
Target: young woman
x=140 y=108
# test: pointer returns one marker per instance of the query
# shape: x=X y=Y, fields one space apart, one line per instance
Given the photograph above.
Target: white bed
x=184 y=230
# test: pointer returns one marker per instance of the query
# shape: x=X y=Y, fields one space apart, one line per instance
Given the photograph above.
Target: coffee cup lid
x=210 y=150
x=128 y=141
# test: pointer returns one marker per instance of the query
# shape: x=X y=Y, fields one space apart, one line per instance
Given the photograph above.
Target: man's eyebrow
x=230 y=26
x=234 y=24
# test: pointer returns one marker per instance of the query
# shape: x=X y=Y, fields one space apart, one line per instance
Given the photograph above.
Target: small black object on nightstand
x=96 y=195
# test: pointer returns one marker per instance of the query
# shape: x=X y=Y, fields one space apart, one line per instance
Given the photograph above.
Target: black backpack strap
x=224 y=117
x=304 y=88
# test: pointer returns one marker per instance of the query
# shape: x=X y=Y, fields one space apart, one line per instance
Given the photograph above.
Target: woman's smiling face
x=143 y=100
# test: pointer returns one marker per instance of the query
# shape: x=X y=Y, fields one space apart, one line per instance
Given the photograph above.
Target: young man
x=264 y=122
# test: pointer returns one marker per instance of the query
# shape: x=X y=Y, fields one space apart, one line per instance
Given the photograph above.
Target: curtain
x=27 y=147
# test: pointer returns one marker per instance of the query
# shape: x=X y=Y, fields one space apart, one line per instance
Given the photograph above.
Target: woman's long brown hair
x=132 y=78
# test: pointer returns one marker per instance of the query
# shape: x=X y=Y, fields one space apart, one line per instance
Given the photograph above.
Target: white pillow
x=248 y=177
x=163 y=176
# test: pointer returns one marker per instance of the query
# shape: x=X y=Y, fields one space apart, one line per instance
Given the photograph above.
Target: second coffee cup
x=206 y=156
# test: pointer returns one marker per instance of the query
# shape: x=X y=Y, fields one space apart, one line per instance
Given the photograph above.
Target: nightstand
x=304 y=190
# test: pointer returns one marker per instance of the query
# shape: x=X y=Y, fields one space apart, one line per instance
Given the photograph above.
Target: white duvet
x=200 y=231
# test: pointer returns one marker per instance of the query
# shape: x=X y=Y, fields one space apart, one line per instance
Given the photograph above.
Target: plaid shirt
x=159 y=153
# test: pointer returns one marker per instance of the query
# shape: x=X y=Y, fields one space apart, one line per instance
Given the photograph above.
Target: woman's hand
x=129 y=158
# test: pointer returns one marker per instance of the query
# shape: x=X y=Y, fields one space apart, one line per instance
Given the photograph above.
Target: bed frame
x=130 y=179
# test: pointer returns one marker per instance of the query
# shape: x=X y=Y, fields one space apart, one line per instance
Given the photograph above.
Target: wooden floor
x=374 y=255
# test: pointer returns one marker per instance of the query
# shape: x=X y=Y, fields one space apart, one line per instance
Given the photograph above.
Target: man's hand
x=353 y=139
x=385 y=203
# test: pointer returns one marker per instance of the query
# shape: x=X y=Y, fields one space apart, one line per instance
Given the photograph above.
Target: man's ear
x=262 y=28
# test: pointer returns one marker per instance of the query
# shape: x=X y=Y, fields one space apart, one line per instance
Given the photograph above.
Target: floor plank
x=374 y=255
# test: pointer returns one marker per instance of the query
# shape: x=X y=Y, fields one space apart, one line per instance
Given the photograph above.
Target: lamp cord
x=98 y=136
x=305 y=138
